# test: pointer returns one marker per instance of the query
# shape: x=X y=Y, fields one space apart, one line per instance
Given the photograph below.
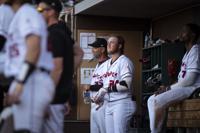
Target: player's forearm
x=187 y=81
x=78 y=55
x=33 y=49
x=56 y=76
x=95 y=87
x=122 y=86
x=31 y=57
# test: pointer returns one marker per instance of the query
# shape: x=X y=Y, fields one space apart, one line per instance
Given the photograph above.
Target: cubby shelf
x=156 y=60
x=151 y=70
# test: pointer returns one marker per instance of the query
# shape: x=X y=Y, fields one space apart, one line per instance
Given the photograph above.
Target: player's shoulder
x=197 y=46
x=124 y=59
x=105 y=63
x=6 y=9
x=102 y=65
x=126 y=62
x=27 y=14
x=56 y=33
x=55 y=30
x=28 y=11
x=195 y=49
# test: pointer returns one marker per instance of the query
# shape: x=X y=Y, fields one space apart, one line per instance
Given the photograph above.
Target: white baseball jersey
x=6 y=15
x=97 y=117
x=16 y=48
x=117 y=72
x=37 y=93
x=97 y=76
x=191 y=63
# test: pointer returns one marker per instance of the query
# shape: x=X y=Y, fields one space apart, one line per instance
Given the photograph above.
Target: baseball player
x=62 y=48
x=6 y=15
x=97 y=112
x=118 y=85
x=28 y=62
x=188 y=80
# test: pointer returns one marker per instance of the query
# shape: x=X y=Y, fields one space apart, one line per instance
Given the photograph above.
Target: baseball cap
x=100 y=42
x=54 y=4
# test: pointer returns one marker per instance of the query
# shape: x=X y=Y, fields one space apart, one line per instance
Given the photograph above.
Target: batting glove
x=100 y=95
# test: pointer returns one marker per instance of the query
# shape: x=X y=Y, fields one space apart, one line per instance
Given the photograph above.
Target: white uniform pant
x=55 y=122
x=97 y=118
x=157 y=105
x=118 y=115
x=37 y=93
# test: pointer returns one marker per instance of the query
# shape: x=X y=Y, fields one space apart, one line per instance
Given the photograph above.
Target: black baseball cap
x=54 y=4
x=100 y=42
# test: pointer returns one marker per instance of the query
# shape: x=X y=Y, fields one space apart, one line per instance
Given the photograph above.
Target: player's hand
x=98 y=98
x=67 y=108
x=86 y=87
x=14 y=97
x=160 y=90
x=99 y=105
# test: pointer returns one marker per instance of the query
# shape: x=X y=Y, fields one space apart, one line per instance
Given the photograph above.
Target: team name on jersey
x=13 y=51
x=98 y=79
x=113 y=82
x=109 y=74
x=95 y=75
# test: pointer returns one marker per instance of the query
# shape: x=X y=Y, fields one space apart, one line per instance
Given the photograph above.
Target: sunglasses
x=40 y=9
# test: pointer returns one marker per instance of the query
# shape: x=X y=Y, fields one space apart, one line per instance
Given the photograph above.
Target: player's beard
x=96 y=55
x=185 y=38
x=113 y=51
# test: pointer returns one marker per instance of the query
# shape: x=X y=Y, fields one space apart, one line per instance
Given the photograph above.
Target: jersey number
x=183 y=75
x=13 y=51
x=113 y=83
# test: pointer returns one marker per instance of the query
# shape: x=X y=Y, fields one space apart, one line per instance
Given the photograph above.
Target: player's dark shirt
x=61 y=45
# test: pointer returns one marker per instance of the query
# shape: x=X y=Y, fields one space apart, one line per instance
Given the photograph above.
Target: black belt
x=42 y=69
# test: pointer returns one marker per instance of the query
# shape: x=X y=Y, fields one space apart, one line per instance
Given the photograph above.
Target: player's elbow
x=78 y=55
x=189 y=80
x=124 y=85
x=79 y=52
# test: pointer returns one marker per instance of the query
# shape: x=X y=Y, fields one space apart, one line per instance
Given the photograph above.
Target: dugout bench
x=184 y=117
